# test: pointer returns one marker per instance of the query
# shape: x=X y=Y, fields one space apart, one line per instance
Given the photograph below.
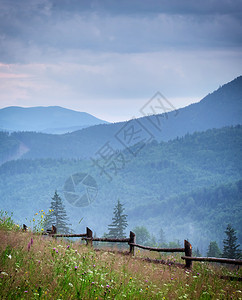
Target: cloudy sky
x=108 y=57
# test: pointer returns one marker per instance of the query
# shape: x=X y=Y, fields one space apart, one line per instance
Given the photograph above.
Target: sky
x=109 y=58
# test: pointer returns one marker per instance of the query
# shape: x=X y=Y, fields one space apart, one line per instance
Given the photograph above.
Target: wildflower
x=49 y=210
x=42 y=216
x=94 y=266
x=42 y=210
x=56 y=251
x=29 y=245
x=42 y=229
x=107 y=286
x=75 y=251
x=9 y=256
x=26 y=291
x=76 y=267
x=68 y=247
x=130 y=278
x=70 y=284
x=33 y=219
x=31 y=241
x=171 y=278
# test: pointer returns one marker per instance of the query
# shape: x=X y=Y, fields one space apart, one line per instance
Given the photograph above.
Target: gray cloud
x=40 y=26
x=98 y=56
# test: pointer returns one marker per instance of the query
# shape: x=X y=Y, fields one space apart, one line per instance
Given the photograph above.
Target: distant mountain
x=51 y=119
x=218 y=109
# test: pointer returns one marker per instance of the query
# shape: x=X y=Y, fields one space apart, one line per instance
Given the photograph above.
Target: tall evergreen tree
x=116 y=229
x=230 y=249
x=57 y=216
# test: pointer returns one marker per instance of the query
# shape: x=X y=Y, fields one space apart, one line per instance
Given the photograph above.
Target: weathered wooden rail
x=187 y=249
x=214 y=259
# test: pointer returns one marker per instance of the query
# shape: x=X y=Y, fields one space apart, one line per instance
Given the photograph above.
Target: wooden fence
x=88 y=237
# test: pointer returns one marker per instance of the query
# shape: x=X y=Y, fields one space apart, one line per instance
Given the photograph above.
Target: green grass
x=33 y=266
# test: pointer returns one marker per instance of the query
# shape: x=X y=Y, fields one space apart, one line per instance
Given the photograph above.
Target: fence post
x=53 y=231
x=89 y=235
x=188 y=252
x=132 y=239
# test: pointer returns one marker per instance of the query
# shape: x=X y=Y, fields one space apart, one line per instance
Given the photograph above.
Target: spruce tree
x=230 y=249
x=57 y=216
x=116 y=229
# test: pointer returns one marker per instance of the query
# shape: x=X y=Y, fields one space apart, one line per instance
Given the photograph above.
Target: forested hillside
x=190 y=186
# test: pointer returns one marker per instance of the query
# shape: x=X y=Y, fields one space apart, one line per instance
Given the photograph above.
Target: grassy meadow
x=33 y=266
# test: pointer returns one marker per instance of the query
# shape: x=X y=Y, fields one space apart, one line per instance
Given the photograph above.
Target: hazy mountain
x=51 y=119
x=220 y=108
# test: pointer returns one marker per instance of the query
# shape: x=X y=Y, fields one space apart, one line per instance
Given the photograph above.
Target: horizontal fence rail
x=126 y=240
x=158 y=249
x=88 y=237
x=69 y=235
x=214 y=259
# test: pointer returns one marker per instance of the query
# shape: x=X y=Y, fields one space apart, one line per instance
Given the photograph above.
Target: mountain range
x=221 y=108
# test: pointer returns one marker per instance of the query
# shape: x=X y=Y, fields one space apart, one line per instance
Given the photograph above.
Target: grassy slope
x=53 y=269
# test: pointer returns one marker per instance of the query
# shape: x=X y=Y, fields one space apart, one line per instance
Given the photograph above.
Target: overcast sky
x=108 y=58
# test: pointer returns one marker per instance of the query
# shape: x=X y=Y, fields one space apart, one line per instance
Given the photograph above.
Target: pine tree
x=213 y=250
x=116 y=229
x=230 y=249
x=57 y=216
